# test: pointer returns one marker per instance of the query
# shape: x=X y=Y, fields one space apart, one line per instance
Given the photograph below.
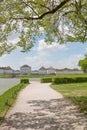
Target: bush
x=61 y=80
x=81 y=79
x=46 y=80
x=25 y=81
x=69 y=80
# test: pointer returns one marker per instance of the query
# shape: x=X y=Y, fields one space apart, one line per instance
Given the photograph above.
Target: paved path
x=39 y=107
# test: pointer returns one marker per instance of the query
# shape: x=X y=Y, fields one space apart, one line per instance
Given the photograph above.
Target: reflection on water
x=6 y=83
x=34 y=79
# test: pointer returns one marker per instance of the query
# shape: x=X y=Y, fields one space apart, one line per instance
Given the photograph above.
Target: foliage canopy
x=83 y=64
x=59 y=20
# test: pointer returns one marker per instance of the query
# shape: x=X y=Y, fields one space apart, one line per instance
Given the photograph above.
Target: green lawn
x=8 y=98
x=25 y=76
x=36 y=76
x=71 y=75
x=76 y=92
x=53 y=76
x=41 y=75
x=5 y=75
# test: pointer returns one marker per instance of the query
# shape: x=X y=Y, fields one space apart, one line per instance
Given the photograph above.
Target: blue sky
x=58 y=56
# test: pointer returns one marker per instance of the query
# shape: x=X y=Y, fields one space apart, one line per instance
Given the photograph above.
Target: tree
x=59 y=20
x=83 y=64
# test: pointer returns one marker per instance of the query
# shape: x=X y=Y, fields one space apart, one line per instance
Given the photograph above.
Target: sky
x=55 y=55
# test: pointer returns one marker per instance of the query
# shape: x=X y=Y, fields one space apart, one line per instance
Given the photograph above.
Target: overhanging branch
x=46 y=13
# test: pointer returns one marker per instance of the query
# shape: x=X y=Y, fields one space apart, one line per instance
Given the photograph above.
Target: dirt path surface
x=39 y=107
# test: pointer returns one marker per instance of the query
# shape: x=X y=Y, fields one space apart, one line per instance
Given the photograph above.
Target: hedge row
x=69 y=80
x=46 y=80
x=25 y=81
x=64 y=80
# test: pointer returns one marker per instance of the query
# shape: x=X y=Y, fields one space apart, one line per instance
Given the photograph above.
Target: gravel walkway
x=39 y=107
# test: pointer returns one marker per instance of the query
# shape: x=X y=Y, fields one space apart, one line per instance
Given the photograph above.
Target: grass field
x=41 y=75
x=5 y=75
x=71 y=75
x=76 y=92
x=25 y=76
x=35 y=76
x=53 y=76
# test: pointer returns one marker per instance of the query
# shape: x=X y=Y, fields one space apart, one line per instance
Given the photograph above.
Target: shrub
x=46 y=80
x=69 y=80
x=25 y=81
x=81 y=79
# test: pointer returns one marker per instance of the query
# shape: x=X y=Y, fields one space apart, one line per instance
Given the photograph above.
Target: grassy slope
x=8 y=98
x=76 y=92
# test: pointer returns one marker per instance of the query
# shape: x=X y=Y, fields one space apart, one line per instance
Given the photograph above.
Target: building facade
x=68 y=71
x=6 y=70
x=51 y=70
x=42 y=70
x=1 y=70
x=34 y=72
x=25 y=70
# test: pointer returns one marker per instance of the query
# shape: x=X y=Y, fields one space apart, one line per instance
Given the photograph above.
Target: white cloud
x=14 y=38
x=38 y=61
x=41 y=29
x=86 y=50
x=70 y=62
x=44 y=54
x=54 y=46
x=47 y=55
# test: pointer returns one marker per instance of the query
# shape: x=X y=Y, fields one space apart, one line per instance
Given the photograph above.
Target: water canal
x=6 y=83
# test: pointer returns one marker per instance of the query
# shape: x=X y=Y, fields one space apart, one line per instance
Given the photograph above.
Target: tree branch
x=46 y=13
x=68 y=12
x=30 y=7
x=42 y=5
